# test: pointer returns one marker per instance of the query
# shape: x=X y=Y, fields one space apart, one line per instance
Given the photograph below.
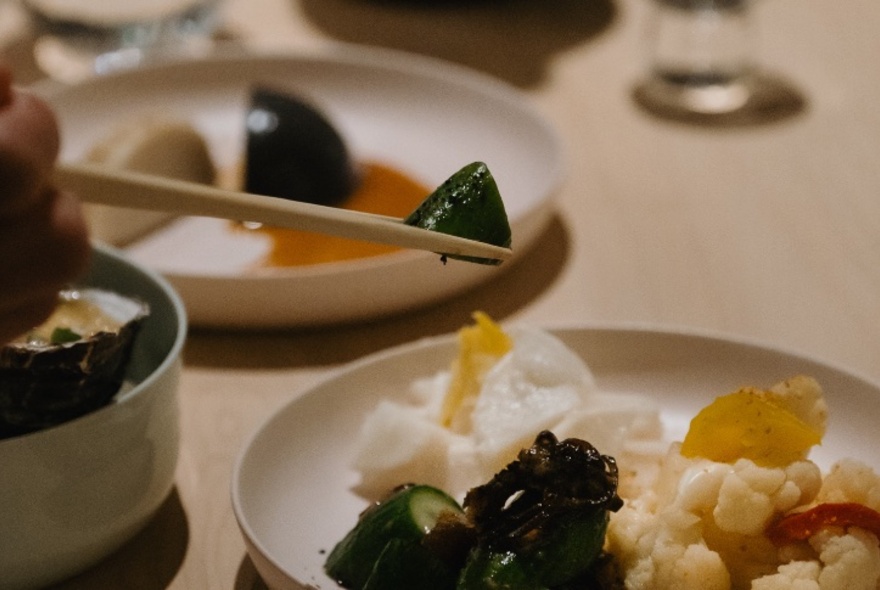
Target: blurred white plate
x=291 y=488
x=423 y=117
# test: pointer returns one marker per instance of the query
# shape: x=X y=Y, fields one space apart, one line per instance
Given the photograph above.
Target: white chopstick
x=101 y=185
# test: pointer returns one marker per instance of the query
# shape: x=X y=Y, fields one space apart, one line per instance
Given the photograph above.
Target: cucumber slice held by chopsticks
x=468 y=204
x=385 y=549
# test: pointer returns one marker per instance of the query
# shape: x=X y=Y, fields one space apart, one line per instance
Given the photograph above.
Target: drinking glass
x=75 y=38
x=700 y=56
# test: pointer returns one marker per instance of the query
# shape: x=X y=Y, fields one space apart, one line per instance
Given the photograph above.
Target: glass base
x=702 y=93
x=712 y=98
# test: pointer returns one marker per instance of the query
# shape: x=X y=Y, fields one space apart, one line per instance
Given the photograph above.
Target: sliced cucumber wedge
x=541 y=521
x=467 y=205
x=567 y=553
x=386 y=544
x=407 y=564
x=491 y=570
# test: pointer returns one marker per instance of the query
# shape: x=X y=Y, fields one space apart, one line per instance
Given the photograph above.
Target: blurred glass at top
x=77 y=38
x=700 y=55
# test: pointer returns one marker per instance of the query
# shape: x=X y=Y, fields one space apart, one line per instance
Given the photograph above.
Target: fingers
x=43 y=238
x=29 y=145
x=44 y=251
x=15 y=321
x=5 y=85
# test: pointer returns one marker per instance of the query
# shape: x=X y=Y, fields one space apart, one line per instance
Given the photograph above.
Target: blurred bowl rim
x=175 y=351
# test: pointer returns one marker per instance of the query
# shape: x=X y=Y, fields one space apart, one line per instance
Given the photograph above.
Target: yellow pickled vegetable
x=479 y=348
x=745 y=424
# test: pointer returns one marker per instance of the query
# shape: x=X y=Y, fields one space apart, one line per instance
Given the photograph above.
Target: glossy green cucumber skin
x=354 y=558
x=407 y=564
x=468 y=205
x=490 y=570
x=566 y=554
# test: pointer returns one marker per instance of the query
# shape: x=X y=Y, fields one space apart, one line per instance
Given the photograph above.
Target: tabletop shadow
x=247 y=577
x=772 y=99
x=509 y=292
x=149 y=561
x=514 y=40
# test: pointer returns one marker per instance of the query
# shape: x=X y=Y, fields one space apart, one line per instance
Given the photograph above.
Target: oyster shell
x=72 y=364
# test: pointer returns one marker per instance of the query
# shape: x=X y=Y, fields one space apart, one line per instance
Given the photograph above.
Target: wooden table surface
x=765 y=229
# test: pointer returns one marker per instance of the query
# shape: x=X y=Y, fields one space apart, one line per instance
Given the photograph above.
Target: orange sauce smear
x=382 y=190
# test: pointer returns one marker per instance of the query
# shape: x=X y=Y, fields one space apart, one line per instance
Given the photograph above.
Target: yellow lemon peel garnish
x=747 y=424
x=479 y=347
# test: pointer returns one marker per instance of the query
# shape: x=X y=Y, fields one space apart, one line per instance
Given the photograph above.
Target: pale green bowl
x=73 y=493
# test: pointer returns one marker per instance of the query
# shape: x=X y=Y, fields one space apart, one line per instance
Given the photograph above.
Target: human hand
x=43 y=238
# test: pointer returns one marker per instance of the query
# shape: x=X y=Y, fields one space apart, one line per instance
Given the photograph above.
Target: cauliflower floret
x=699 y=568
x=664 y=551
x=803 y=397
x=851 y=561
x=850 y=480
x=848 y=561
x=802 y=485
x=751 y=495
x=797 y=575
x=703 y=522
x=741 y=508
x=721 y=508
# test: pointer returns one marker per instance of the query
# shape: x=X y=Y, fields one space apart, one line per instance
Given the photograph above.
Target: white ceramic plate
x=291 y=487
x=425 y=118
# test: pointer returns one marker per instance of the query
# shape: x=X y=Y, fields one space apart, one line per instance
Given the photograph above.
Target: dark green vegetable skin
x=385 y=551
x=541 y=521
x=467 y=205
x=537 y=525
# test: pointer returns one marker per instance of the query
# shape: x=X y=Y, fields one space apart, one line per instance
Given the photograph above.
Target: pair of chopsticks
x=122 y=188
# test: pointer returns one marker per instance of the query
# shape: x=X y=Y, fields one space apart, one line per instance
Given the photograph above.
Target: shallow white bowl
x=72 y=494
x=423 y=117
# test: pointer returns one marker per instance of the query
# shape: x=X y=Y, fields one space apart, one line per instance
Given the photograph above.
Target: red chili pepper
x=803 y=525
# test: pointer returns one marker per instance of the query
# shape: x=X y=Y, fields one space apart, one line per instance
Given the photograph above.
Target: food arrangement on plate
x=737 y=503
x=292 y=151
x=407 y=128
x=294 y=154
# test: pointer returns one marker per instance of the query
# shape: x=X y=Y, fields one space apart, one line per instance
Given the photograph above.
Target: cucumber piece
x=572 y=548
x=467 y=205
x=541 y=521
x=564 y=555
x=406 y=564
x=491 y=570
x=406 y=516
